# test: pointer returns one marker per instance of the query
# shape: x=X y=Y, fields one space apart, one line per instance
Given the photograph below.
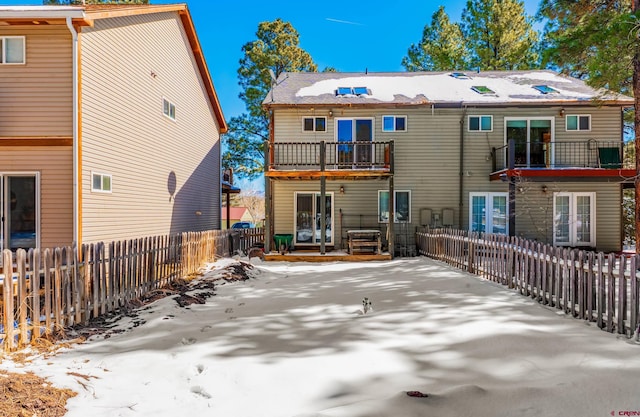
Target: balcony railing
x=327 y=156
x=557 y=155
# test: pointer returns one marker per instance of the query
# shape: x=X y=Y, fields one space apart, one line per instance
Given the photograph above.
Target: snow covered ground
x=292 y=341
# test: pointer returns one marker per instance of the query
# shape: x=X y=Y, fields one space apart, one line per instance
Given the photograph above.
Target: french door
x=19 y=210
x=308 y=209
x=489 y=213
x=355 y=141
x=532 y=139
x=574 y=219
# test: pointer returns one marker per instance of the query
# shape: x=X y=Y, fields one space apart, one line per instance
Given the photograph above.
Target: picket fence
x=54 y=289
x=596 y=287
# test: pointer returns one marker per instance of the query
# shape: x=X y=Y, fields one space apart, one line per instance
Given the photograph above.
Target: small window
x=101 y=183
x=169 y=109
x=545 y=89
x=12 y=49
x=482 y=89
x=343 y=91
x=579 y=122
x=402 y=206
x=480 y=123
x=394 y=123
x=314 y=124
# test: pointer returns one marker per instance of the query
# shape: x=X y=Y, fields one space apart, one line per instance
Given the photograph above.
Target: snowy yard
x=292 y=341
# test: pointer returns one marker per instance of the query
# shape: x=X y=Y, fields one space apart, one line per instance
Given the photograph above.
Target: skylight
x=460 y=76
x=360 y=90
x=343 y=91
x=482 y=89
x=545 y=89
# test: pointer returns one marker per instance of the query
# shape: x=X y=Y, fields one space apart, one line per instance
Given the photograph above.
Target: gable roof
x=436 y=88
x=87 y=14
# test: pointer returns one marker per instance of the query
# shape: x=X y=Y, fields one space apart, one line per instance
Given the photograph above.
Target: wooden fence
x=53 y=289
x=596 y=287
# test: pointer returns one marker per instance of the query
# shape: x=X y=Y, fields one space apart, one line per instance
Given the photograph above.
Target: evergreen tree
x=500 y=35
x=277 y=49
x=441 y=48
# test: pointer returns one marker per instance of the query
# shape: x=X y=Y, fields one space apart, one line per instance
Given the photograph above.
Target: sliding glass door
x=308 y=208
x=19 y=211
x=532 y=139
x=349 y=131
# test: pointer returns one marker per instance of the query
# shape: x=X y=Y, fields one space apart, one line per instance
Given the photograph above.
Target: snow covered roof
x=444 y=88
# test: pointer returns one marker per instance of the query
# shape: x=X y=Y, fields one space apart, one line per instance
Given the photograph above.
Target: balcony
x=308 y=160
x=566 y=160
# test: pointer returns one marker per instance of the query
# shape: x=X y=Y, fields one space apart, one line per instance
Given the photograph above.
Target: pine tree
x=500 y=35
x=441 y=48
x=277 y=48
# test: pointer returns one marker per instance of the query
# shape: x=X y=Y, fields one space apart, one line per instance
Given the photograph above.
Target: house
x=236 y=214
x=109 y=125
x=527 y=153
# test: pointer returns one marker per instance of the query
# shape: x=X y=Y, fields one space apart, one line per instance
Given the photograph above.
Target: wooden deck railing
x=597 y=287
x=44 y=292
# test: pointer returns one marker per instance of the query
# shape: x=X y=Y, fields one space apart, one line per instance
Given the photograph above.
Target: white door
x=489 y=213
x=574 y=217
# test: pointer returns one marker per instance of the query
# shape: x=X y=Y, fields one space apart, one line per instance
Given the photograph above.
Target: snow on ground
x=293 y=341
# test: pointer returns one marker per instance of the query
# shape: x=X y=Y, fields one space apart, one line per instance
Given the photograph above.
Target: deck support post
x=392 y=215
x=323 y=198
x=512 y=187
x=267 y=201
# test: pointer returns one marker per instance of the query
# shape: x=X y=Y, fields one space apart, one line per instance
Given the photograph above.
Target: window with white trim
x=314 y=124
x=489 y=212
x=401 y=203
x=578 y=122
x=574 y=219
x=480 y=124
x=169 y=109
x=394 y=123
x=100 y=183
x=12 y=50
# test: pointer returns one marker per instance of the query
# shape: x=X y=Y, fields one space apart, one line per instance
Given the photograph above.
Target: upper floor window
x=100 y=182
x=579 y=122
x=480 y=123
x=169 y=109
x=394 y=123
x=13 y=49
x=314 y=124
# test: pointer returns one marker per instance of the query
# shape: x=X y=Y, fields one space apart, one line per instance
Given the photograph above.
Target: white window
x=100 y=183
x=480 y=123
x=578 y=122
x=489 y=212
x=394 y=123
x=13 y=49
x=314 y=124
x=574 y=219
x=401 y=203
x=169 y=109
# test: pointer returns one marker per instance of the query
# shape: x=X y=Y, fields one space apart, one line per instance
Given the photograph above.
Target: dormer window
x=545 y=89
x=483 y=89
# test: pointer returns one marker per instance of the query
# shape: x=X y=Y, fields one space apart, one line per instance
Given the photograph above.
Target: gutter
x=74 y=59
x=461 y=162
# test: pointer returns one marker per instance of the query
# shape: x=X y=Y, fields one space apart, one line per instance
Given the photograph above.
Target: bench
x=364 y=241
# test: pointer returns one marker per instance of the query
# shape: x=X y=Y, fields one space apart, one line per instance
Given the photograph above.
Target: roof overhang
x=37 y=15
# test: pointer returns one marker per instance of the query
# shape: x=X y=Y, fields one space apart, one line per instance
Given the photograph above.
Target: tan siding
x=36 y=98
x=427 y=163
x=128 y=65
x=56 y=204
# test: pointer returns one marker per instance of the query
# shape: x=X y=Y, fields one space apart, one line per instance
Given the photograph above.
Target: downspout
x=461 y=162
x=74 y=60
